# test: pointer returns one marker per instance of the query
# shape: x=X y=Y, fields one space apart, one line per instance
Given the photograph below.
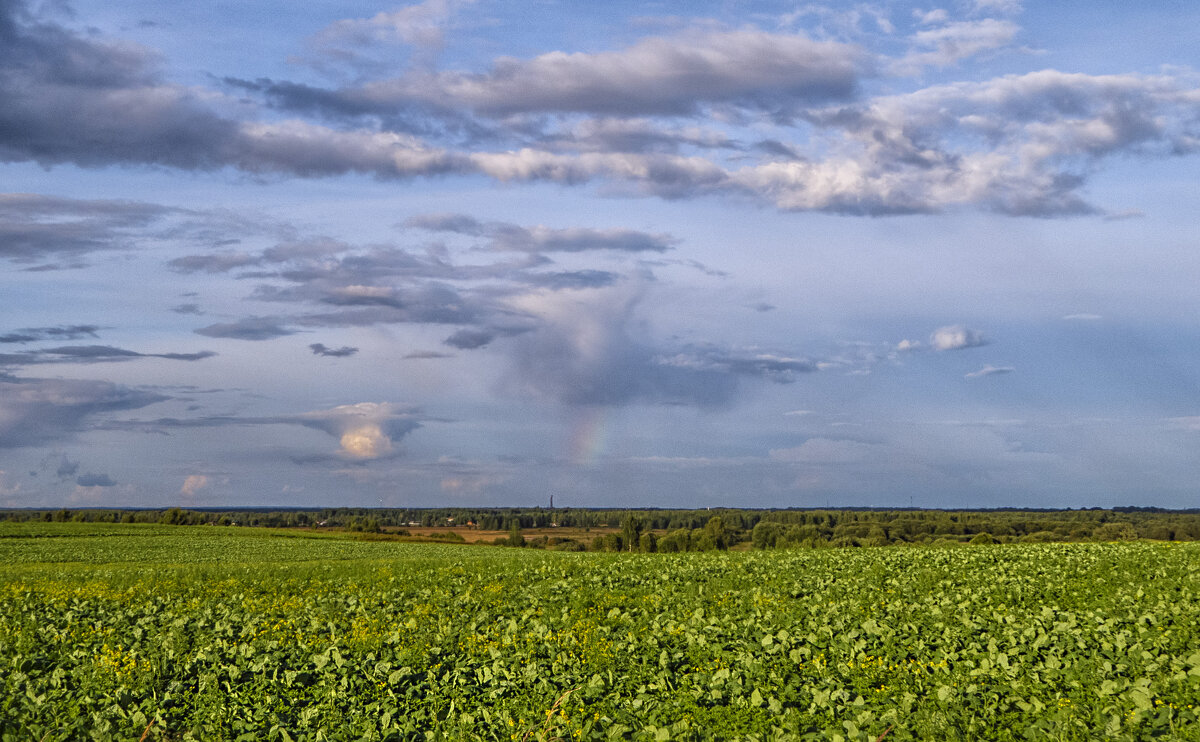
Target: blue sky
x=655 y=254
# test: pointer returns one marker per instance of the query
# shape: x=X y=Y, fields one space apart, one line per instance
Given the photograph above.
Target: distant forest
x=656 y=530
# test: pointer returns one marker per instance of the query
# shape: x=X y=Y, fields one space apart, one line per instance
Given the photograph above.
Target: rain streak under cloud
x=752 y=255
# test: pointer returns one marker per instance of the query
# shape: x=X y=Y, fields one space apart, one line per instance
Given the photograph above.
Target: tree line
x=653 y=530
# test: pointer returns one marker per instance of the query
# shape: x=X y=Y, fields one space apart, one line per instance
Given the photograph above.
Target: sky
x=653 y=254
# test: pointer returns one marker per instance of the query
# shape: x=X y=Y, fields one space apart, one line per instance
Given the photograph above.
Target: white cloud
x=935 y=16
x=953 y=42
x=364 y=430
x=956 y=337
x=7 y=489
x=193 y=484
x=990 y=371
x=421 y=26
x=1191 y=423
x=1009 y=7
x=828 y=451
x=657 y=75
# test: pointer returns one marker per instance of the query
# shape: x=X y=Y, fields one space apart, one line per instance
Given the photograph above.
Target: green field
x=207 y=633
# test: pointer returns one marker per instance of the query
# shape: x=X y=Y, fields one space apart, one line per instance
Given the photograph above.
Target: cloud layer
x=1022 y=144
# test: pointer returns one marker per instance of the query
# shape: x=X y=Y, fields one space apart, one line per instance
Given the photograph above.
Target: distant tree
x=515 y=537
x=767 y=534
x=648 y=543
x=715 y=532
x=631 y=530
x=1114 y=532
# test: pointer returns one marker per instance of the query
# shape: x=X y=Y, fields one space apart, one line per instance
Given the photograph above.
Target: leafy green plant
x=111 y=631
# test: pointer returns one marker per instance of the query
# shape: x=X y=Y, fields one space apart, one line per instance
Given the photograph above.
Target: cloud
x=664 y=75
x=187 y=309
x=828 y=451
x=36 y=411
x=221 y=262
x=538 y=239
x=635 y=135
x=34 y=227
x=953 y=42
x=956 y=337
x=420 y=26
x=779 y=368
x=95 y=480
x=366 y=430
x=345 y=351
x=470 y=338
x=990 y=371
x=1189 y=423
x=1023 y=145
x=582 y=352
x=62 y=332
x=657 y=75
x=193 y=484
x=248 y=328
x=66 y=468
x=91 y=354
x=1083 y=316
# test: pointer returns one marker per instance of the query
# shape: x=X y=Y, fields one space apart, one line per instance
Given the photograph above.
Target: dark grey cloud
x=62 y=332
x=91 y=354
x=66 y=468
x=82 y=100
x=70 y=98
x=248 y=328
x=95 y=480
x=188 y=308
x=223 y=261
x=470 y=338
x=538 y=239
x=320 y=349
x=779 y=150
x=33 y=227
x=35 y=411
x=220 y=262
x=573 y=279
x=426 y=354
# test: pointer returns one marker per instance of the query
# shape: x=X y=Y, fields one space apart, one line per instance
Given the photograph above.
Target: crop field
x=208 y=633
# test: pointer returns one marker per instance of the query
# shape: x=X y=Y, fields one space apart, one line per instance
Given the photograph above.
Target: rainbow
x=588 y=436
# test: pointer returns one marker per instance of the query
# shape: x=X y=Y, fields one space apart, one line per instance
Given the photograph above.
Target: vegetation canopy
x=161 y=632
